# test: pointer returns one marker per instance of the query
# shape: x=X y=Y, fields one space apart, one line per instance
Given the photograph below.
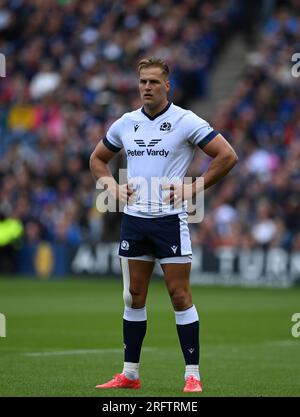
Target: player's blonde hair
x=154 y=62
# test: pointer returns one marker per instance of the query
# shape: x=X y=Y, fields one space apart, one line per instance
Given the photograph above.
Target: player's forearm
x=102 y=173
x=218 y=168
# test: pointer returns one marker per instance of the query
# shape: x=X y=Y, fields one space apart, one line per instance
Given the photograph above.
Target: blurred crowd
x=71 y=71
x=259 y=204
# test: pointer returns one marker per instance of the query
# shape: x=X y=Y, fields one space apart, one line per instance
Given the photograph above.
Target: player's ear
x=168 y=86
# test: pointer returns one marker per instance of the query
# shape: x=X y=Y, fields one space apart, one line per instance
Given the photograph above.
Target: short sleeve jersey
x=159 y=151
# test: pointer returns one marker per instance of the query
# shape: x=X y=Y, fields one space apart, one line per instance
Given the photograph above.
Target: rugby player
x=159 y=140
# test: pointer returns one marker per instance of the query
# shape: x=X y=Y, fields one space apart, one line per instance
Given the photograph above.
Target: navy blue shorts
x=162 y=237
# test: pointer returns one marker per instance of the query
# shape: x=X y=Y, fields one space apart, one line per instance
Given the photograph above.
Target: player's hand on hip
x=177 y=193
x=124 y=193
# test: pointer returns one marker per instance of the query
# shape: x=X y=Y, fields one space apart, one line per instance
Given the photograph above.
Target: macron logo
x=174 y=248
x=136 y=127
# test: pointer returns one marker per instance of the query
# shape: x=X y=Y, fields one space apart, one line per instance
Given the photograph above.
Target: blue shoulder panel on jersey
x=207 y=139
x=110 y=146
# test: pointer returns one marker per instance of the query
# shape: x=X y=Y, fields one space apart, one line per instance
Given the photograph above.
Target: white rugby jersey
x=159 y=150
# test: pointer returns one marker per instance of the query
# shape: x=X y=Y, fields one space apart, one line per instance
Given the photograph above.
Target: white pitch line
x=279 y=343
x=78 y=352
x=284 y=343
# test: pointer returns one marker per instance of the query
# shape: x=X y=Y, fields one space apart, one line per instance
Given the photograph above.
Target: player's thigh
x=139 y=274
x=177 y=277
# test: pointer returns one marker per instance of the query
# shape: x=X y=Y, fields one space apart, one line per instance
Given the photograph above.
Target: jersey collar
x=158 y=114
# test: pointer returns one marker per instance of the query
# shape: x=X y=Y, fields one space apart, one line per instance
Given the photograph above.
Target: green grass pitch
x=65 y=336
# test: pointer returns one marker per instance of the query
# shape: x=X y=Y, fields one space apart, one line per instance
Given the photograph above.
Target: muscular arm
x=224 y=159
x=99 y=165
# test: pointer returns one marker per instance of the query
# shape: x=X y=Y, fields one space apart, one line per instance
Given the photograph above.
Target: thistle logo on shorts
x=124 y=245
x=166 y=126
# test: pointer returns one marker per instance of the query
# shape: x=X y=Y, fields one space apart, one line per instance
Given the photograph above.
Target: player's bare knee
x=138 y=298
x=181 y=299
x=134 y=299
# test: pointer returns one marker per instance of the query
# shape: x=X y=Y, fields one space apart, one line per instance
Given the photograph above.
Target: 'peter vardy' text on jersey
x=159 y=151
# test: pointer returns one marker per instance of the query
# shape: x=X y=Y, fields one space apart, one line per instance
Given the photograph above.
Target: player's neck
x=153 y=111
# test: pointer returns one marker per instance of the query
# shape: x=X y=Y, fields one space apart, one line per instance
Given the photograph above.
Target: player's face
x=154 y=88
